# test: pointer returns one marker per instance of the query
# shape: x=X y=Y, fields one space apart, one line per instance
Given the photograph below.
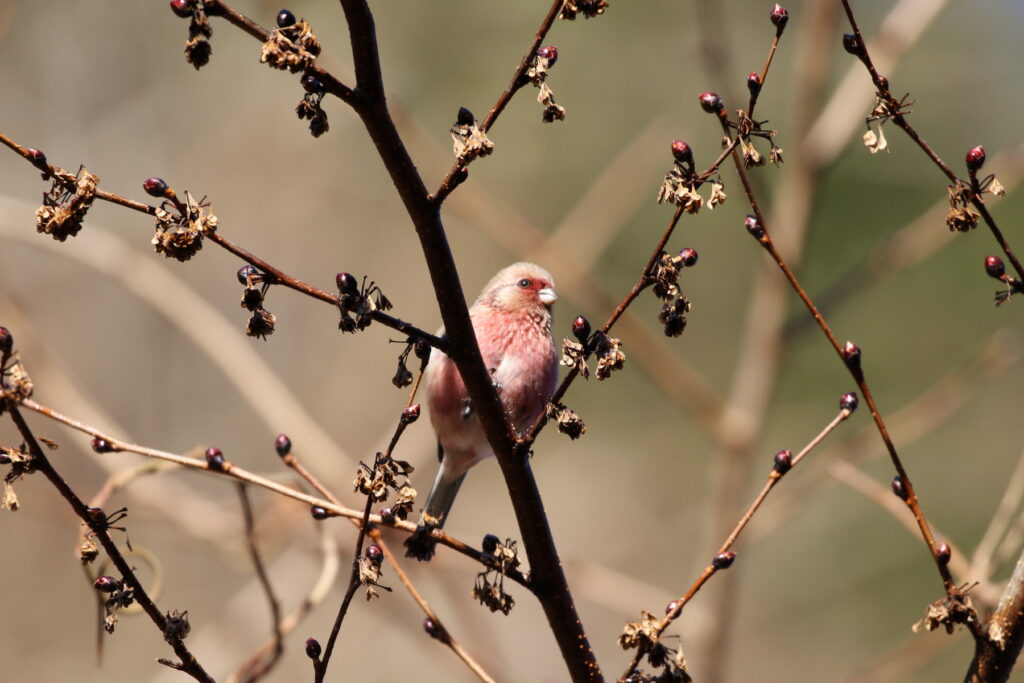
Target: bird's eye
x=524 y=283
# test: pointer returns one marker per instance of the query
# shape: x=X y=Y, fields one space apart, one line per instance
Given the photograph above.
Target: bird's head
x=521 y=286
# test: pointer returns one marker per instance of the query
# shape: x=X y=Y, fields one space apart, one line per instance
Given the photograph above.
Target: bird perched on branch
x=512 y=322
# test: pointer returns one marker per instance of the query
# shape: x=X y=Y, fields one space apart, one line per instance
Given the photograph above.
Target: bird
x=512 y=322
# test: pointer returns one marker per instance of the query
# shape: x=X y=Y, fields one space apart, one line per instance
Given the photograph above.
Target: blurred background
x=827 y=582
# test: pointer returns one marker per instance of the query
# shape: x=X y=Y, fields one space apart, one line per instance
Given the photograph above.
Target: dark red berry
x=182 y=8
x=312 y=84
x=6 y=340
x=723 y=560
x=422 y=349
x=465 y=117
x=975 y=158
x=285 y=18
x=411 y=414
x=779 y=17
x=849 y=401
x=898 y=488
x=490 y=544
x=548 y=52
x=689 y=256
x=346 y=283
x=106 y=584
x=97 y=514
x=460 y=176
x=247 y=272
x=214 y=458
x=783 y=461
x=754 y=83
x=374 y=554
x=671 y=607
x=753 y=226
x=944 y=553
x=101 y=445
x=581 y=329
x=431 y=627
x=851 y=354
x=852 y=44
x=994 y=267
x=319 y=513
x=387 y=515
x=682 y=152
x=283 y=445
x=155 y=187
x=312 y=648
x=36 y=157
x=711 y=102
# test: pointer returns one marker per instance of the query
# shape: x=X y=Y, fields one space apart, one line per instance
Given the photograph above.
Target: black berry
x=548 y=52
x=312 y=648
x=994 y=267
x=723 y=560
x=689 y=257
x=490 y=544
x=581 y=329
x=106 y=584
x=155 y=187
x=465 y=117
x=975 y=158
x=283 y=445
x=754 y=83
x=783 y=461
x=682 y=152
x=285 y=18
x=214 y=458
x=346 y=283
x=711 y=102
x=411 y=414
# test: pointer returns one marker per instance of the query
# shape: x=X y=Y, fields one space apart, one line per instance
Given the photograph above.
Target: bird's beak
x=547 y=296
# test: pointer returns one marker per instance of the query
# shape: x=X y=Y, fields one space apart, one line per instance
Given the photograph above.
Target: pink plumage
x=512 y=322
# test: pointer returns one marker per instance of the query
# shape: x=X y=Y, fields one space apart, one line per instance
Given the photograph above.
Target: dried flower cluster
x=262 y=322
x=643 y=635
x=198 y=48
x=180 y=235
x=490 y=590
x=609 y=355
x=569 y=423
x=22 y=463
x=376 y=482
x=66 y=203
x=588 y=8
x=468 y=141
x=885 y=108
x=538 y=74
x=358 y=304
x=948 y=612
x=574 y=355
x=293 y=47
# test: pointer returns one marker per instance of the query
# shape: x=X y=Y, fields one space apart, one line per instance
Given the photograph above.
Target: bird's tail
x=442 y=495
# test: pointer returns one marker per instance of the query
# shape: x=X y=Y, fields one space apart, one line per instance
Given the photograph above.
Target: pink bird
x=512 y=322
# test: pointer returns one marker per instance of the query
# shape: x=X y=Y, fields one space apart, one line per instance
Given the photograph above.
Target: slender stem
x=188 y=663
x=774 y=477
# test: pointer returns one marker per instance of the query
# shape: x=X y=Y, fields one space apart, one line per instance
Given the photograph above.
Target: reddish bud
x=849 y=401
x=214 y=458
x=6 y=340
x=779 y=16
x=723 y=560
x=97 y=514
x=106 y=584
x=465 y=117
x=312 y=648
x=387 y=515
x=671 y=607
x=432 y=629
x=711 y=102
x=319 y=513
x=581 y=329
x=753 y=226
x=101 y=445
x=460 y=176
x=783 y=461
x=182 y=8
x=548 y=52
x=682 y=152
x=283 y=445
x=155 y=187
x=422 y=349
x=994 y=267
x=852 y=44
x=374 y=553
x=312 y=84
x=851 y=354
x=943 y=554
x=899 y=489
x=285 y=18
x=411 y=414
x=975 y=158
x=346 y=283
x=754 y=84
x=689 y=256
x=37 y=158
x=247 y=272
